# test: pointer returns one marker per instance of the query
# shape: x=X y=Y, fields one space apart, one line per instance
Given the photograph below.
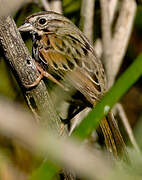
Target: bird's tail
x=113 y=139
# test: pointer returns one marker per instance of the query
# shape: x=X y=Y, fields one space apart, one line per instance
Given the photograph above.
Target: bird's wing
x=75 y=58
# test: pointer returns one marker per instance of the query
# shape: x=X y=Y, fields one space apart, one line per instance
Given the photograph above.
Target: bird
x=64 y=55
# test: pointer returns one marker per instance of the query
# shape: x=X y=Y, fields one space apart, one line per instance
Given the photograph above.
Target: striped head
x=47 y=21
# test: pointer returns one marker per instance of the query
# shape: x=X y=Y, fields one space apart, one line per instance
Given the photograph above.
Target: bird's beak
x=26 y=27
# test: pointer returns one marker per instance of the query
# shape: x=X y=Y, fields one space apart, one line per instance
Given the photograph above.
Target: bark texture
x=18 y=56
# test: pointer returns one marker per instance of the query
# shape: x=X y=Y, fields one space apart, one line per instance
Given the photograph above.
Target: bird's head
x=42 y=22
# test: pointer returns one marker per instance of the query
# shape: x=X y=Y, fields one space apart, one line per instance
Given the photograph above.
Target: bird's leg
x=35 y=83
x=43 y=74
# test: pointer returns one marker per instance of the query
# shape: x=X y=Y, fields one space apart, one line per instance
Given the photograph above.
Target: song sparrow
x=62 y=52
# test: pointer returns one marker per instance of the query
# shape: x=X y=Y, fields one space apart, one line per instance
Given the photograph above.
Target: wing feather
x=75 y=60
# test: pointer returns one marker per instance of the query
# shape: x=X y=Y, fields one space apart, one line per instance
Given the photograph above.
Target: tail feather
x=113 y=139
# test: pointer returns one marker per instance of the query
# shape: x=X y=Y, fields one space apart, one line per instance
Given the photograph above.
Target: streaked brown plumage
x=60 y=48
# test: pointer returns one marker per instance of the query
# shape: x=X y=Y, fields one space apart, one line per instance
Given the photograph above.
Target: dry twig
x=112 y=9
x=87 y=13
x=127 y=126
x=98 y=43
x=121 y=37
x=9 y=7
x=106 y=33
x=56 y=5
x=46 y=5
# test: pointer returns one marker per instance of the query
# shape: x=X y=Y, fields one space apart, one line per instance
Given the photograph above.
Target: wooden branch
x=112 y=9
x=87 y=13
x=10 y=7
x=106 y=33
x=121 y=37
x=25 y=72
x=46 y=5
x=56 y=5
x=98 y=43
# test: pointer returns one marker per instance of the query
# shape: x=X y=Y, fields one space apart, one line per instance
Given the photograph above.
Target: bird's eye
x=42 y=21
